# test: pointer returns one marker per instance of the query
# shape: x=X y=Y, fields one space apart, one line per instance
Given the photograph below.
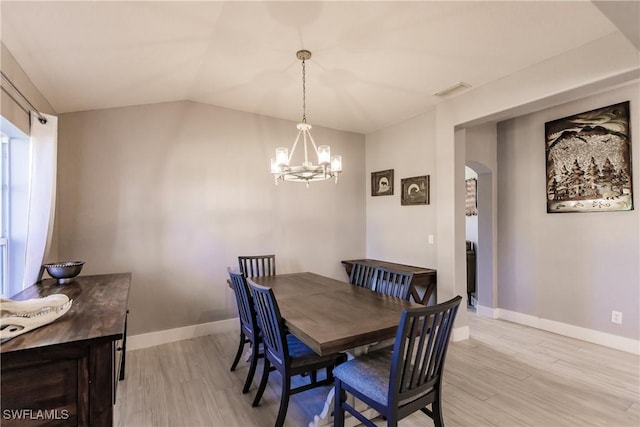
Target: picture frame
x=471 y=197
x=382 y=183
x=588 y=161
x=415 y=191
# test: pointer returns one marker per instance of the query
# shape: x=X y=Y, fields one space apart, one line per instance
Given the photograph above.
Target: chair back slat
x=246 y=310
x=420 y=348
x=393 y=283
x=362 y=275
x=273 y=332
x=257 y=265
x=424 y=358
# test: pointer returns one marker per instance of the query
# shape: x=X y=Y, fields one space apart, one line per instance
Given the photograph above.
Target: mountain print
x=589 y=161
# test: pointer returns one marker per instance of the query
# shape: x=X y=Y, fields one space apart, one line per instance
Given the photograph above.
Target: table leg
x=325 y=417
x=248 y=353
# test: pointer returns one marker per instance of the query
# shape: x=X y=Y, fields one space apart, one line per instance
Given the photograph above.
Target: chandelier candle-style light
x=328 y=166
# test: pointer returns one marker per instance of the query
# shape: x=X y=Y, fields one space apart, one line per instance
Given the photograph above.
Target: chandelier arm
x=315 y=148
x=295 y=143
x=304 y=136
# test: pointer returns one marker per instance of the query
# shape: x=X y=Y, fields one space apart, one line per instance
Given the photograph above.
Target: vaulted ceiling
x=374 y=64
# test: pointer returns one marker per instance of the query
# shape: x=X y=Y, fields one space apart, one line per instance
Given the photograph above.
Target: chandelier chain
x=304 y=93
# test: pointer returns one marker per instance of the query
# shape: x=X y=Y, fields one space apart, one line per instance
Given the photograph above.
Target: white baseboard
x=628 y=345
x=460 y=334
x=151 y=339
x=489 y=312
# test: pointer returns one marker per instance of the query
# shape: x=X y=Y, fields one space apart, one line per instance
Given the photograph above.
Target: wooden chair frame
x=362 y=275
x=257 y=265
x=277 y=344
x=249 y=327
x=393 y=283
x=417 y=363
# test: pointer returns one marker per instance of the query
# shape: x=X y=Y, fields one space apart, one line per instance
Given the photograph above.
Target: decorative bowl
x=64 y=271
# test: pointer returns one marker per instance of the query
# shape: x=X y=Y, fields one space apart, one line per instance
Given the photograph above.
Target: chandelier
x=328 y=166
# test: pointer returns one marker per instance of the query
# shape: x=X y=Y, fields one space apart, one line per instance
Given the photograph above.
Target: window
x=14 y=174
x=4 y=216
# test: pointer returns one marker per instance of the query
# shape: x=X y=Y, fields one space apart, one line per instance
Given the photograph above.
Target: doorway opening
x=480 y=236
x=471 y=235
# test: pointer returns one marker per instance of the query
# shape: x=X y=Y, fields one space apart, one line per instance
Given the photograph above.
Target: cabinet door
x=45 y=388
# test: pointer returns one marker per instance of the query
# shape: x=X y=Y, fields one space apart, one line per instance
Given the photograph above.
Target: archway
x=485 y=235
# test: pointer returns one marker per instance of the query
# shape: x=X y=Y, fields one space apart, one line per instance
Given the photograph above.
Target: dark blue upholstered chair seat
x=302 y=355
x=369 y=374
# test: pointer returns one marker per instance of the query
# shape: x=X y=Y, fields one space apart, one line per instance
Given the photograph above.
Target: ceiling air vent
x=454 y=87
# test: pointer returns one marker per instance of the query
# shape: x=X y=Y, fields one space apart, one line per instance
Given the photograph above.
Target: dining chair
x=362 y=275
x=393 y=283
x=399 y=383
x=257 y=265
x=286 y=353
x=249 y=327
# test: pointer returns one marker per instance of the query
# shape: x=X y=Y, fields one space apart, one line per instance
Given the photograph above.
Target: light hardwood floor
x=505 y=375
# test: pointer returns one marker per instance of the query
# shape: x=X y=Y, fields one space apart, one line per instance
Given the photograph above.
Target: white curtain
x=42 y=194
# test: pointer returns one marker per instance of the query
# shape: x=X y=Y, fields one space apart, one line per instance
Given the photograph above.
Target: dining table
x=333 y=316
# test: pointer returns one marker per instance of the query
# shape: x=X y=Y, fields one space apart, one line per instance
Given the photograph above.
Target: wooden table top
x=330 y=315
x=97 y=311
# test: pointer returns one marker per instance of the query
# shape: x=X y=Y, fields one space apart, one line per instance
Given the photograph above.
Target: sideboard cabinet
x=66 y=373
x=423 y=285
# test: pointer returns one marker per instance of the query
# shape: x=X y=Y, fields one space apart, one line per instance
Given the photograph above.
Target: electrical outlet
x=431 y=239
x=616 y=317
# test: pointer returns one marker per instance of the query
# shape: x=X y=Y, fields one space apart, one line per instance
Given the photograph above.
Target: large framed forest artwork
x=588 y=159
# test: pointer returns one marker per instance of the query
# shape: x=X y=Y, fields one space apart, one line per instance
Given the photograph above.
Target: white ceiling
x=374 y=64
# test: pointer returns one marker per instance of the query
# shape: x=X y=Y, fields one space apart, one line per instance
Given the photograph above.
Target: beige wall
x=174 y=192
x=399 y=233
x=560 y=79
x=573 y=268
x=9 y=109
x=459 y=123
x=569 y=268
x=138 y=190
